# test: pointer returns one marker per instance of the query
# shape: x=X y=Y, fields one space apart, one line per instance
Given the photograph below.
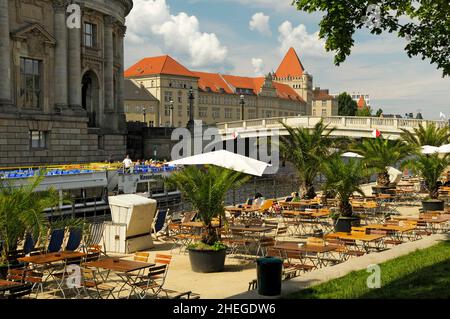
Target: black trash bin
x=269 y=271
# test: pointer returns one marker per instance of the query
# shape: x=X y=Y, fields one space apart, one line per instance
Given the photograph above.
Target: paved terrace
x=350 y=126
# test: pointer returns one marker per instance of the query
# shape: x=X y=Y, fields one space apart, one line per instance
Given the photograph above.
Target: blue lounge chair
x=28 y=245
x=56 y=240
x=160 y=220
x=74 y=241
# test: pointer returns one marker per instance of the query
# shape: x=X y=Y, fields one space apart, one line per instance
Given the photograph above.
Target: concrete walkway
x=328 y=273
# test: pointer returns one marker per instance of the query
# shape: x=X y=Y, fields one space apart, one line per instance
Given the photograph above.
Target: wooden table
x=393 y=228
x=253 y=229
x=49 y=258
x=121 y=266
x=365 y=239
x=309 y=251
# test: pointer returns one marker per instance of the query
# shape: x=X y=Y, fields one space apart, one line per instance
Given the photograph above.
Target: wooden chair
x=36 y=280
x=141 y=256
x=16 y=275
x=90 y=283
x=152 y=284
x=300 y=266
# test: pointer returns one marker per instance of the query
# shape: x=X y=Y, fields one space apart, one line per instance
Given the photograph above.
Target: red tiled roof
x=361 y=103
x=322 y=95
x=291 y=66
x=213 y=81
x=242 y=82
x=158 y=65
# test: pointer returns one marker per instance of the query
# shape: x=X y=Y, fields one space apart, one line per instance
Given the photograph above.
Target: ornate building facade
x=219 y=97
x=61 y=95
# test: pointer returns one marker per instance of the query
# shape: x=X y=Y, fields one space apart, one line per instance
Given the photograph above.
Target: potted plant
x=430 y=168
x=307 y=149
x=344 y=178
x=379 y=154
x=205 y=188
x=21 y=210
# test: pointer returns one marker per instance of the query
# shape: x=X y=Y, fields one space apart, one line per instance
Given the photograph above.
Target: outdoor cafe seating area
x=72 y=263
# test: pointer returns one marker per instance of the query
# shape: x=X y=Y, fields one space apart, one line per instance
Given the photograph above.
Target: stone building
x=61 y=97
x=218 y=97
x=140 y=104
x=324 y=104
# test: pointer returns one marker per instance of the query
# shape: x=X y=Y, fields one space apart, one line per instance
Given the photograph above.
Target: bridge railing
x=337 y=121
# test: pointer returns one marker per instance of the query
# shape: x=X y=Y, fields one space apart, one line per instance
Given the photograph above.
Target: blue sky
x=218 y=35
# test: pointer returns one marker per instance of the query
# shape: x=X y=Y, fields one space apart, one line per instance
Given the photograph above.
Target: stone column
x=121 y=84
x=121 y=81
x=60 y=76
x=109 y=64
x=5 y=54
x=75 y=68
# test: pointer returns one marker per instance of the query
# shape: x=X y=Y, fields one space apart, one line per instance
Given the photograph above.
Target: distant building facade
x=61 y=96
x=140 y=104
x=324 y=104
x=218 y=97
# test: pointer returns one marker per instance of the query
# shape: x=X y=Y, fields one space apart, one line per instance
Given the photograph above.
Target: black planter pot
x=345 y=224
x=432 y=205
x=206 y=261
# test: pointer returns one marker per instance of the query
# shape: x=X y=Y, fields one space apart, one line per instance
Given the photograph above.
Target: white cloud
x=277 y=5
x=306 y=44
x=152 y=21
x=258 y=64
x=260 y=23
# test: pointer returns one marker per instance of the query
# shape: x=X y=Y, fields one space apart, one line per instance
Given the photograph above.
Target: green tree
x=430 y=168
x=379 y=113
x=430 y=134
x=307 y=150
x=21 y=210
x=347 y=106
x=424 y=24
x=379 y=153
x=205 y=189
x=344 y=178
x=365 y=111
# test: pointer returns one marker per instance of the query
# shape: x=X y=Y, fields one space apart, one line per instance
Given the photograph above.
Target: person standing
x=127 y=163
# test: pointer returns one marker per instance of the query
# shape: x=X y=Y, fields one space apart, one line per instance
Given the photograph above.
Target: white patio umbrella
x=225 y=159
x=351 y=154
x=444 y=149
x=428 y=149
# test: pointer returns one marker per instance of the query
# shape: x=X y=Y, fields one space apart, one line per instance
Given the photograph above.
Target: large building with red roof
x=217 y=97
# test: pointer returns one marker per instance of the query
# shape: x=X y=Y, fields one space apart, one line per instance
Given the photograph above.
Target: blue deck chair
x=160 y=220
x=29 y=244
x=56 y=240
x=74 y=241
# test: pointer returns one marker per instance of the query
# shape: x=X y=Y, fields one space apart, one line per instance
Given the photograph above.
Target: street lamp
x=242 y=103
x=171 y=112
x=191 y=107
x=144 y=113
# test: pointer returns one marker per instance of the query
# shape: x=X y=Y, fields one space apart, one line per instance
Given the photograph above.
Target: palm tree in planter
x=430 y=168
x=344 y=177
x=307 y=149
x=379 y=153
x=21 y=210
x=206 y=188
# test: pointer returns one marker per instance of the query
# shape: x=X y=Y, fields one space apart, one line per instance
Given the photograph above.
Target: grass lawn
x=421 y=274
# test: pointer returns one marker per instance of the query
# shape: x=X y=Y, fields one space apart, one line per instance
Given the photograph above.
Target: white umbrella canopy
x=351 y=154
x=225 y=159
x=428 y=149
x=444 y=149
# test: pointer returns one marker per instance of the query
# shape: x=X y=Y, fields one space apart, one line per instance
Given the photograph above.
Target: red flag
x=376 y=133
